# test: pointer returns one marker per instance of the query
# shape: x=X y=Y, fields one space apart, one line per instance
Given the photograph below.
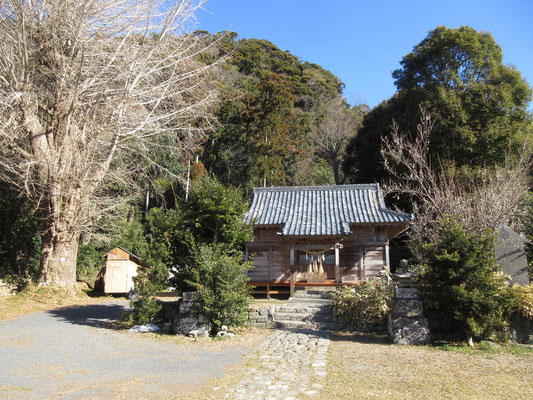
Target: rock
x=187 y=296
x=167 y=326
x=409 y=331
x=144 y=328
x=225 y=334
x=133 y=295
x=198 y=333
x=407 y=307
x=406 y=293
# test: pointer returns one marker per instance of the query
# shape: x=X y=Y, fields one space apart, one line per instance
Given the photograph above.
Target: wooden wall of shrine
x=363 y=254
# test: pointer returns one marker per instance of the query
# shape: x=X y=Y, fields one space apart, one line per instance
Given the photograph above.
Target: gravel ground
x=73 y=353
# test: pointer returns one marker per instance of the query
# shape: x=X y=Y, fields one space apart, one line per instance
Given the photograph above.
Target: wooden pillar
x=361 y=272
x=337 y=266
x=293 y=270
x=387 y=259
x=270 y=259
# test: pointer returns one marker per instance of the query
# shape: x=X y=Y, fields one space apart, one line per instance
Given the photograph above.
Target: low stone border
x=263 y=317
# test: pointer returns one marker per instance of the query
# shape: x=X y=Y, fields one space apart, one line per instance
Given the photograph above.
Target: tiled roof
x=321 y=210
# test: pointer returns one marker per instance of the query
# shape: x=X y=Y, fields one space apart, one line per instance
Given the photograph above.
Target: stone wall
x=262 y=317
x=407 y=323
x=187 y=322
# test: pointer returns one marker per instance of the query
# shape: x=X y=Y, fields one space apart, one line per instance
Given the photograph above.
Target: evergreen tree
x=460 y=279
x=479 y=105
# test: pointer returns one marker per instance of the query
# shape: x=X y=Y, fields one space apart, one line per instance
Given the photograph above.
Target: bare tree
x=88 y=90
x=333 y=133
x=481 y=199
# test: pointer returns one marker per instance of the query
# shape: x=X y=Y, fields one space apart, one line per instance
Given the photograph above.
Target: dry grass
x=366 y=367
x=244 y=337
x=34 y=299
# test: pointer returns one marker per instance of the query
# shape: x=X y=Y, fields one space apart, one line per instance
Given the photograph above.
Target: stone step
x=304 y=325
x=326 y=317
x=313 y=295
x=303 y=309
x=313 y=292
x=304 y=313
x=282 y=316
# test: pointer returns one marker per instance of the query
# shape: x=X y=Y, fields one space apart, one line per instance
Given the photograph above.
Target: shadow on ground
x=360 y=337
x=95 y=315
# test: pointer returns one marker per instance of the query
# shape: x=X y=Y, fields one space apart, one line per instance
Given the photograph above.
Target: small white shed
x=120 y=269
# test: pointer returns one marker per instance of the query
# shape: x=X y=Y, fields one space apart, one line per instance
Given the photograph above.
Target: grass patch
x=484 y=348
x=10 y=388
x=367 y=367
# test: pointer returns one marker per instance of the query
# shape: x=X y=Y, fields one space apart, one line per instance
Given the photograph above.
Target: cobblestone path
x=291 y=365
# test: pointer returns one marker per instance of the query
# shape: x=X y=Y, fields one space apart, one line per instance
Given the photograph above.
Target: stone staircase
x=304 y=313
x=313 y=292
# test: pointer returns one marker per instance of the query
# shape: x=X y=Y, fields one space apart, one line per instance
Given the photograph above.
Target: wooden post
x=292 y=271
x=387 y=259
x=337 y=265
x=270 y=258
x=361 y=272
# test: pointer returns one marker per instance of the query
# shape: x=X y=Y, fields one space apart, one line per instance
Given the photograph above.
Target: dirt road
x=74 y=353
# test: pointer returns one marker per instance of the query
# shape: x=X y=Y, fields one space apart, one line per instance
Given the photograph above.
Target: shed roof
x=120 y=252
x=321 y=210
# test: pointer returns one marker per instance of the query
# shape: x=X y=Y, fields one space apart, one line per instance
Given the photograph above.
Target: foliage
x=479 y=104
x=273 y=103
x=460 y=279
x=148 y=282
x=212 y=214
x=527 y=228
x=175 y=241
x=215 y=214
x=222 y=294
x=363 y=304
x=126 y=233
x=523 y=300
x=19 y=237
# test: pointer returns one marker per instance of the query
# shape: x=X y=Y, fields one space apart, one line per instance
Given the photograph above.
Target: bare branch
x=88 y=89
x=480 y=199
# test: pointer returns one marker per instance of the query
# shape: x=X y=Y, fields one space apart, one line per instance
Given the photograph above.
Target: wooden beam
x=293 y=270
x=327 y=246
x=337 y=263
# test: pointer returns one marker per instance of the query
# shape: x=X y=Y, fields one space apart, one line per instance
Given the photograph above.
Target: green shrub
x=460 y=279
x=523 y=300
x=222 y=294
x=367 y=303
x=147 y=283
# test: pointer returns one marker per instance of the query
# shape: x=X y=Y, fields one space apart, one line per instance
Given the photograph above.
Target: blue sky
x=362 y=42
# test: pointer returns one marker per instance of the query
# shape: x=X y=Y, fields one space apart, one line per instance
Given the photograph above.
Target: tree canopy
x=479 y=105
x=274 y=102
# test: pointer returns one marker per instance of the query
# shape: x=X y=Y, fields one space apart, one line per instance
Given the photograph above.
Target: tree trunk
x=59 y=253
x=336 y=172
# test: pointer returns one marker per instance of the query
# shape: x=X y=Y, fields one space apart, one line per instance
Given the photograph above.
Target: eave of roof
x=321 y=210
